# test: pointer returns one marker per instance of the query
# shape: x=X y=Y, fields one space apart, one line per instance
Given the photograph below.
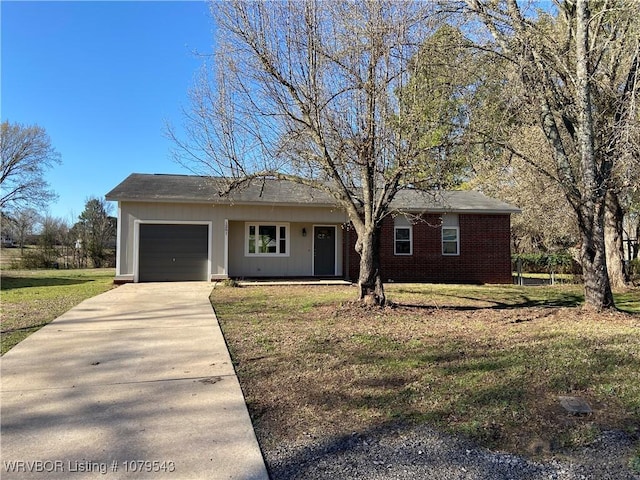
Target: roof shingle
x=139 y=187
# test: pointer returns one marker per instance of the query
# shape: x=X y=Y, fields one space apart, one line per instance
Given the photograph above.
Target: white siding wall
x=299 y=263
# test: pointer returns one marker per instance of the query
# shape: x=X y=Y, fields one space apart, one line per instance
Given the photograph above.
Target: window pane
x=267 y=235
x=403 y=248
x=252 y=239
x=449 y=235
x=450 y=248
x=283 y=240
x=402 y=234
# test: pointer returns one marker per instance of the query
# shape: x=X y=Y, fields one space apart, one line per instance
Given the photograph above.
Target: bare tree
x=564 y=62
x=307 y=91
x=547 y=222
x=50 y=241
x=26 y=154
x=23 y=222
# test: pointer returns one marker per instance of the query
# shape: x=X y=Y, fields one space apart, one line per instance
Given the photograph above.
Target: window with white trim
x=403 y=240
x=267 y=239
x=450 y=240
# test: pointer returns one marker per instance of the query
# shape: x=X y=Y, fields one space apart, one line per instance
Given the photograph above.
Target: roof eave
x=220 y=202
x=486 y=211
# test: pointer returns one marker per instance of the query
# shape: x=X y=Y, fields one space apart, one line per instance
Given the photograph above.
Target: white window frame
x=457 y=229
x=257 y=226
x=395 y=240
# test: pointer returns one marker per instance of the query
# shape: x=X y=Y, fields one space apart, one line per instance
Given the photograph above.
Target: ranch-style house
x=180 y=228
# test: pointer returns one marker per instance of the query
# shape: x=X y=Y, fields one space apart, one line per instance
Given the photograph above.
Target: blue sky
x=101 y=78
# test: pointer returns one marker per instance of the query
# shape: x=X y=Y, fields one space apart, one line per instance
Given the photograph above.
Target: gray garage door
x=173 y=253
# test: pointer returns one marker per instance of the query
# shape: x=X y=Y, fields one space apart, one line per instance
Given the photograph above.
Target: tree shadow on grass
x=522 y=301
x=10 y=283
x=24 y=329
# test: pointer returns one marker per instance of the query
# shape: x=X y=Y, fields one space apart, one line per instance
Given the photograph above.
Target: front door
x=324 y=251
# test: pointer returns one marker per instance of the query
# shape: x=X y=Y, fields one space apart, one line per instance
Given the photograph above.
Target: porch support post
x=347 y=252
x=226 y=247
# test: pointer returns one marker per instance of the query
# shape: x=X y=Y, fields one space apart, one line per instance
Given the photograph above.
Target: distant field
x=31 y=299
x=9 y=257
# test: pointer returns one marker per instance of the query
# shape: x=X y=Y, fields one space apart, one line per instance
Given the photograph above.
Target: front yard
x=486 y=361
x=31 y=299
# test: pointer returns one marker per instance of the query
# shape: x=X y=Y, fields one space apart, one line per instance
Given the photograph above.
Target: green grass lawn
x=628 y=301
x=485 y=361
x=31 y=299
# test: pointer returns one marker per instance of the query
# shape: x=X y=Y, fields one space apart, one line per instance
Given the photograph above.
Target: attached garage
x=173 y=252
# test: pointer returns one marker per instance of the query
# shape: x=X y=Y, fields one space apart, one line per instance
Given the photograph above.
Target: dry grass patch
x=489 y=362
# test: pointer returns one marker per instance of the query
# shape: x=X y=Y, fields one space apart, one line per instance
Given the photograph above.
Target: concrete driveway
x=134 y=383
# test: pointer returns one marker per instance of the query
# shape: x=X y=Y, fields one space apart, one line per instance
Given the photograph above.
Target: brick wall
x=484 y=256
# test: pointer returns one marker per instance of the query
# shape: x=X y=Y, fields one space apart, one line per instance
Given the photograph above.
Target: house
x=179 y=227
x=7 y=241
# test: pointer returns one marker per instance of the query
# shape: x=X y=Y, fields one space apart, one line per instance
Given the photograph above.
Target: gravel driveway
x=423 y=453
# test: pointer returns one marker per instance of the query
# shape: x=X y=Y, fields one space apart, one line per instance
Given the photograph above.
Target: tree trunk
x=614 y=247
x=370 y=279
x=597 y=288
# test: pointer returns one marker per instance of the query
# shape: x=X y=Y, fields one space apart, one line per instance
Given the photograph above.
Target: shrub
x=40 y=258
x=559 y=262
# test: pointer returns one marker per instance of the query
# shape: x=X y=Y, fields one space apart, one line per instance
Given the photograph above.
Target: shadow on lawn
x=566 y=300
x=29 y=328
x=9 y=282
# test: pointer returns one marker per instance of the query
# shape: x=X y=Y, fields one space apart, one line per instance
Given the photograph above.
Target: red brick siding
x=485 y=252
